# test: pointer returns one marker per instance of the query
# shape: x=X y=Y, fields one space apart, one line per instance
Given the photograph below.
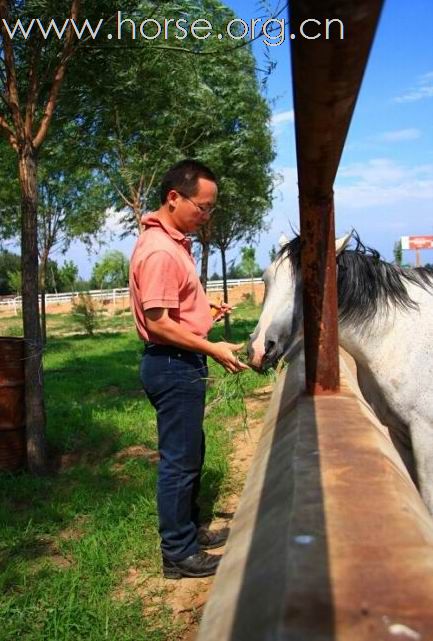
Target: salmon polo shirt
x=162 y=274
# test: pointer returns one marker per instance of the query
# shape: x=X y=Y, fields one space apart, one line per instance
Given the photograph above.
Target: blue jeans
x=175 y=383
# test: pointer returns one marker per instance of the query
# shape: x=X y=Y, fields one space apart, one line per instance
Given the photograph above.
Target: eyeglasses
x=202 y=208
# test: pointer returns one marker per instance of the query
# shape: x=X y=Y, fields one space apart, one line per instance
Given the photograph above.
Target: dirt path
x=187 y=597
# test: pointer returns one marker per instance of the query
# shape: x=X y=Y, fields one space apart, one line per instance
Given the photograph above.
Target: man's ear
x=342 y=243
x=172 y=198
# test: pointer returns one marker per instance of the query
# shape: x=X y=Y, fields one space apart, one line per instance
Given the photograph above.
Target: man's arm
x=160 y=324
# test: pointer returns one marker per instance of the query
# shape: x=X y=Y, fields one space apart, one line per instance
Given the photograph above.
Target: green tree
x=138 y=129
x=398 y=253
x=15 y=281
x=273 y=254
x=248 y=266
x=9 y=262
x=72 y=204
x=32 y=75
x=68 y=274
x=111 y=271
x=9 y=193
x=72 y=201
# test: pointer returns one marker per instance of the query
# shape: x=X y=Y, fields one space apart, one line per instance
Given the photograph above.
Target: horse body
x=386 y=325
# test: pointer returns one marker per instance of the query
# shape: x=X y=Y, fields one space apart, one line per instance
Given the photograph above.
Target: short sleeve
x=158 y=281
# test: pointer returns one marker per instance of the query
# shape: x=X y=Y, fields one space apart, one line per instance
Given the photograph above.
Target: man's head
x=189 y=192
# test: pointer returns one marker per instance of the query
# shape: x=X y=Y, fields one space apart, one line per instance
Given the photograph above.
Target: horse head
x=281 y=322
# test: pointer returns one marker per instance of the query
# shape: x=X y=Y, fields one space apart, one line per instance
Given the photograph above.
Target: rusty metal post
x=327 y=75
x=320 y=295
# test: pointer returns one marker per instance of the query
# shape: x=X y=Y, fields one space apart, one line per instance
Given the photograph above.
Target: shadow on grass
x=33 y=511
x=209 y=493
x=42 y=518
x=95 y=398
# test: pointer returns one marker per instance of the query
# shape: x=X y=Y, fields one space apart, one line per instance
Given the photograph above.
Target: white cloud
x=378 y=182
x=399 y=135
x=113 y=224
x=381 y=199
x=423 y=89
x=282 y=118
x=383 y=182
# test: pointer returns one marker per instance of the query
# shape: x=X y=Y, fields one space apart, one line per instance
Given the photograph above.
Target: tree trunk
x=227 y=327
x=253 y=293
x=34 y=396
x=205 y=251
x=42 y=289
x=138 y=213
x=43 y=317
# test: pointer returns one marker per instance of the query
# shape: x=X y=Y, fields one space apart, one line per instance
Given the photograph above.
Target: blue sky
x=384 y=186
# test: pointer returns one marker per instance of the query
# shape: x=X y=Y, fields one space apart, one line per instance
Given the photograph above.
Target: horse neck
x=366 y=343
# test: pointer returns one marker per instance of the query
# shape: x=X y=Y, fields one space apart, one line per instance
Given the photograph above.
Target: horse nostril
x=269 y=346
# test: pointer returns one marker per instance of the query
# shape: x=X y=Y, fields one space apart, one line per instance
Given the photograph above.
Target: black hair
x=184 y=176
x=365 y=281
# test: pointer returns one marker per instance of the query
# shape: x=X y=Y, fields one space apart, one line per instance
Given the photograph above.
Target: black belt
x=172 y=350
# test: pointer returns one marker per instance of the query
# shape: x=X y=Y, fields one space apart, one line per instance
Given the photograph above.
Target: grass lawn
x=67 y=541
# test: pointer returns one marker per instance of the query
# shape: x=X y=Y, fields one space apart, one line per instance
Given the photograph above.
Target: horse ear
x=283 y=240
x=342 y=243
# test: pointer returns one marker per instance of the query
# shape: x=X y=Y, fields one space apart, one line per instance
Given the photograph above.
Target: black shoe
x=208 y=539
x=195 y=566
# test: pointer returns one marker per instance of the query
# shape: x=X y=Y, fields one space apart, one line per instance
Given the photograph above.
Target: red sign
x=417 y=242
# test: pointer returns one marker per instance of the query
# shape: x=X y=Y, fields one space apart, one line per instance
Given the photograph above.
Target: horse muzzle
x=263 y=362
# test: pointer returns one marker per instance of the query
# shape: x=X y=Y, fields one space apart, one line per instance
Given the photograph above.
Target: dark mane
x=366 y=283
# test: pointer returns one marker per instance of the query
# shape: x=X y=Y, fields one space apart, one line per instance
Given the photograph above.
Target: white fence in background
x=112 y=295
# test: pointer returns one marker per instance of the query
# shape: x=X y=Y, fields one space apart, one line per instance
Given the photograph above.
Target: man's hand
x=223 y=354
x=219 y=311
x=171 y=333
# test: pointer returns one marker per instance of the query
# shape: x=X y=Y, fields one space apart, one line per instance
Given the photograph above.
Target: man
x=173 y=315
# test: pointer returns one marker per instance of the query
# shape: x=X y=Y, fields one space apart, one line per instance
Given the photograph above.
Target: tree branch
x=33 y=90
x=7 y=132
x=118 y=132
x=59 y=75
x=122 y=196
x=11 y=77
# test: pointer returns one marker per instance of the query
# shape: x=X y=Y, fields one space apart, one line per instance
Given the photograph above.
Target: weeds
x=230 y=390
x=86 y=313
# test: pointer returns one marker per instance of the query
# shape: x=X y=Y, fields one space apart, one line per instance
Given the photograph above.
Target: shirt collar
x=153 y=220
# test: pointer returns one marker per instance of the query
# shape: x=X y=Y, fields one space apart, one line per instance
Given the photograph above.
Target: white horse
x=385 y=323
